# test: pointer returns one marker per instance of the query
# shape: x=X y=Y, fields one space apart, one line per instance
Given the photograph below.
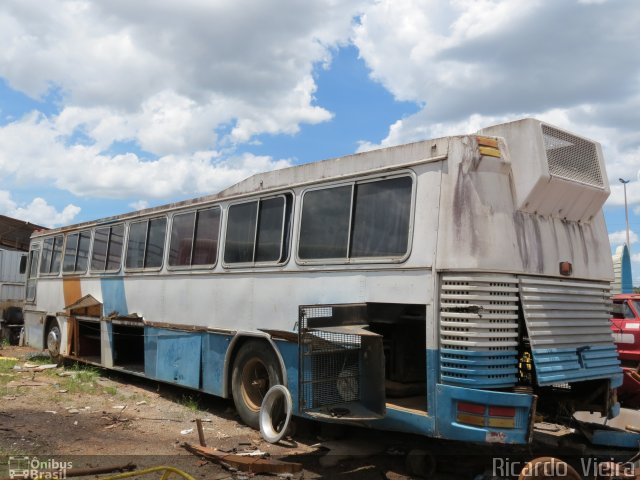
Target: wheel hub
x=53 y=342
x=255 y=383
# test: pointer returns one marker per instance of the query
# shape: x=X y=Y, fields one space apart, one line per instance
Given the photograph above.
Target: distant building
x=15 y=234
x=14 y=245
x=622 y=282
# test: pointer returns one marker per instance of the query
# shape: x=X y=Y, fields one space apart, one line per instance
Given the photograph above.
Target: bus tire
x=54 y=341
x=255 y=370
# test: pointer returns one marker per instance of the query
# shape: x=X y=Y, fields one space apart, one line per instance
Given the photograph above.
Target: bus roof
x=308 y=173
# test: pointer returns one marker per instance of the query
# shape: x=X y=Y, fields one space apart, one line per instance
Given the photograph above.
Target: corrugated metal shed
x=15 y=234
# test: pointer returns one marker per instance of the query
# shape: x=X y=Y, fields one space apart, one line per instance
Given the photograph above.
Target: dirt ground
x=94 y=418
x=89 y=417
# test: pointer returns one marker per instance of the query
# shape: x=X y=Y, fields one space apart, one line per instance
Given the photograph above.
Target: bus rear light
x=486 y=415
x=502 y=412
x=471 y=408
x=502 y=422
x=566 y=268
x=470 y=419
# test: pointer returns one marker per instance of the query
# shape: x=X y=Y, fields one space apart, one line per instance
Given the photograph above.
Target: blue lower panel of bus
x=173 y=356
x=479 y=369
x=564 y=365
x=481 y=415
x=191 y=359
x=289 y=353
x=214 y=350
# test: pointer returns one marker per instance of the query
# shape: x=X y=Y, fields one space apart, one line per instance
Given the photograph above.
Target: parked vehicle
x=449 y=287
x=12 y=289
x=625 y=324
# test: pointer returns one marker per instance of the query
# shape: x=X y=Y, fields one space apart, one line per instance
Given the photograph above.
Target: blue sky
x=111 y=106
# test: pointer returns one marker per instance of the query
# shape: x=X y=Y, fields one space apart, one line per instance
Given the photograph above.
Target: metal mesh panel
x=315 y=312
x=330 y=373
x=571 y=157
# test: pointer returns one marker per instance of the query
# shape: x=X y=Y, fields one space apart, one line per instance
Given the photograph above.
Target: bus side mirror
x=23 y=264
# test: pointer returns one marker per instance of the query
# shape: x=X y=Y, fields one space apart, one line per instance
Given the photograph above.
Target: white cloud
x=38 y=211
x=86 y=171
x=139 y=205
x=154 y=97
x=620 y=237
x=472 y=63
x=168 y=73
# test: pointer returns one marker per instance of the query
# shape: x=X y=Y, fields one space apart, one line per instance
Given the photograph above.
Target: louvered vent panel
x=479 y=330
x=569 y=330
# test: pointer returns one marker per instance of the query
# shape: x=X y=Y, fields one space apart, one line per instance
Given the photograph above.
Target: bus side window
x=23 y=264
x=34 y=256
x=256 y=231
x=145 y=247
x=51 y=255
x=364 y=220
x=381 y=218
x=76 y=252
x=194 y=238
x=107 y=248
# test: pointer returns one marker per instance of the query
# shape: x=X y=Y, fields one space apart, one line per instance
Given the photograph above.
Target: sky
x=108 y=107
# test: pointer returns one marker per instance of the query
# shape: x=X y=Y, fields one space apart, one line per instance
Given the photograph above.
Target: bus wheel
x=255 y=370
x=421 y=463
x=54 y=340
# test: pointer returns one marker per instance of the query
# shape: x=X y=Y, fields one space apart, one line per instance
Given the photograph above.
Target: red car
x=626 y=327
x=625 y=324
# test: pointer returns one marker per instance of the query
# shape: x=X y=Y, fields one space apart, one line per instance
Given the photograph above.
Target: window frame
x=282 y=259
x=211 y=266
x=37 y=249
x=75 y=263
x=358 y=260
x=49 y=273
x=146 y=244
x=94 y=271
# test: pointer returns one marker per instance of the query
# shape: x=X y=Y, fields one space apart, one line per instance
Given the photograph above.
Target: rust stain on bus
x=71 y=289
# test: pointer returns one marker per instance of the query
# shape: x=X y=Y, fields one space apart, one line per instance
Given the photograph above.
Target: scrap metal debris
x=245 y=463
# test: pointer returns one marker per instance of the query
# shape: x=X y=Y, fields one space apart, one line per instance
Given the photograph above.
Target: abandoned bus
x=450 y=287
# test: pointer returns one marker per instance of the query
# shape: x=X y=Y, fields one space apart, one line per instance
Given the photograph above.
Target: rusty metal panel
x=173 y=356
x=214 y=350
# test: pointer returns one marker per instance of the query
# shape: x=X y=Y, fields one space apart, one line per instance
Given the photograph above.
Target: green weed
x=191 y=402
x=110 y=390
x=6 y=365
x=82 y=380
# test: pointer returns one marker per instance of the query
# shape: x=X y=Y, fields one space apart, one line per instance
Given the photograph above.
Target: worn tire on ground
x=54 y=342
x=255 y=370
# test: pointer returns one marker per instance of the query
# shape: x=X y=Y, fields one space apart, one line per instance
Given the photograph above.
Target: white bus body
x=441 y=287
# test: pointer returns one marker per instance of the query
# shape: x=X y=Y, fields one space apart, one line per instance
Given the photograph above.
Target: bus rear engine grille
x=479 y=330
